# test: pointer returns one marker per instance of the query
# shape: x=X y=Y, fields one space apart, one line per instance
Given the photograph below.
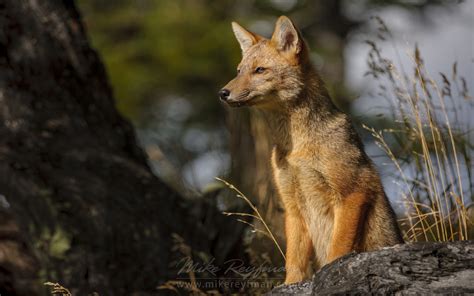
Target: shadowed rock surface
x=410 y=269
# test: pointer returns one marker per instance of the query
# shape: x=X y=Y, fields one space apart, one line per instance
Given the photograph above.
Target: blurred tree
x=73 y=176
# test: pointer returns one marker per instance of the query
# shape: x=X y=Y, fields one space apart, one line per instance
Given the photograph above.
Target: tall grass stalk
x=256 y=216
x=429 y=144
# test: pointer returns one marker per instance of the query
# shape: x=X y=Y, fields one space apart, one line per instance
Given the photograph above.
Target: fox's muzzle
x=233 y=95
x=239 y=100
x=224 y=94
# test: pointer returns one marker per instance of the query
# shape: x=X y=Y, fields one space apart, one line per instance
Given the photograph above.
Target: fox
x=333 y=198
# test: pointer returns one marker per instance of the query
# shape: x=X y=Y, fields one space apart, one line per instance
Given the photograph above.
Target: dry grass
x=57 y=289
x=256 y=215
x=191 y=286
x=430 y=144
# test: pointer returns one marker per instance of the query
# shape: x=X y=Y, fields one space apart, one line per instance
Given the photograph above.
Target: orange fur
x=333 y=197
x=348 y=218
x=299 y=247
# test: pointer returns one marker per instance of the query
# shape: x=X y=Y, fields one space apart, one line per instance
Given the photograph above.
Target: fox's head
x=271 y=70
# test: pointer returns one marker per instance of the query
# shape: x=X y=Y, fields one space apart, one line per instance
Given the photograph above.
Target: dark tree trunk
x=70 y=168
x=18 y=266
x=411 y=269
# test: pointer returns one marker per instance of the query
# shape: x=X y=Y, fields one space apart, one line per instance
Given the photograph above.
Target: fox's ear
x=246 y=39
x=286 y=36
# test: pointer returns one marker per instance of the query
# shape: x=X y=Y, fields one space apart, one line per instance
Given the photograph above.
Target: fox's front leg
x=299 y=248
x=349 y=216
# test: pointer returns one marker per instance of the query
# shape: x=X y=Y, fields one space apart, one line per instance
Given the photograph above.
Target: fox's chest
x=299 y=178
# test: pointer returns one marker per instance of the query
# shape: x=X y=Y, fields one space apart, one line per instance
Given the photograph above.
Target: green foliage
x=159 y=48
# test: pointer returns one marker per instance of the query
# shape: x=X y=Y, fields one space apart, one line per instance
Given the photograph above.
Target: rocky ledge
x=415 y=268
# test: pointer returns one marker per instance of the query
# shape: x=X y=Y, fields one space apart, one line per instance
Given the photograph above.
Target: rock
x=302 y=288
x=414 y=268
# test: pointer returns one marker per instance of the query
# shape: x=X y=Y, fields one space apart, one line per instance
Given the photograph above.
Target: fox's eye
x=259 y=70
x=238 y=71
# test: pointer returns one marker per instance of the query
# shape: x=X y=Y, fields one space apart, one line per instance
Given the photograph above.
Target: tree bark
x=19 y=267
x=409 y=269
x=71 y=171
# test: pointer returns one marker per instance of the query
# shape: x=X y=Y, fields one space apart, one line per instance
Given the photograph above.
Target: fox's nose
x=224 y=94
